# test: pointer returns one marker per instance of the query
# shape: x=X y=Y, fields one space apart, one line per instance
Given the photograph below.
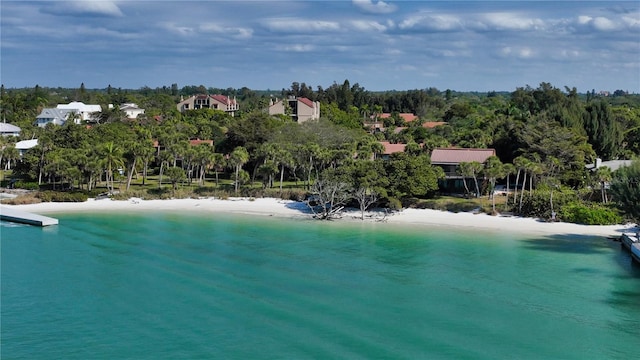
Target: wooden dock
x=23 y=217
x=632 y=243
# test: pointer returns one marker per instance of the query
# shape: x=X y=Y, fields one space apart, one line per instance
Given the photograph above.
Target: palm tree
x=10 y=153
x=165 y=158
x=217 y=162
x=509 y=169
x=494 y=169
x=237 y=159
x=604 y=176
x=111 y=159
x=285 y=159
x=471 y=169
x=519 y=163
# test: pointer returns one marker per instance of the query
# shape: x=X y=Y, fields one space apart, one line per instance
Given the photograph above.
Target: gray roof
x=8 y=128
x=611 y=164
x=51 y=113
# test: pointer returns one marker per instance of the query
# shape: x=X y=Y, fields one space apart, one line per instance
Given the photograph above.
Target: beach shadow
x=299 y=206
x=586 y=245
x=569 y=243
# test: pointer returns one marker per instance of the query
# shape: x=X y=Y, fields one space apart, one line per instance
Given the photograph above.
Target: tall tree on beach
x=237 y=159
x=111 y=160
x=494 y=170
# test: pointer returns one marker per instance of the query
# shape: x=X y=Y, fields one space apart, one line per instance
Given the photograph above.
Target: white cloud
x=432 y=22
x=379 y=7
x=180 y=30
x=301 y=25
x=364 y=25
x=94 y=8
x=606 y=24
x=521 y=52
x=235 y=32
x=511 y=21
x=296 y=47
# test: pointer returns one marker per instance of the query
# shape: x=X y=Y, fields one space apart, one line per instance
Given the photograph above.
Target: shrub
x=394 y=204
x=589 y=214
x=22 y=200
x=55 y=196
x=26 y=185
x=537 y=204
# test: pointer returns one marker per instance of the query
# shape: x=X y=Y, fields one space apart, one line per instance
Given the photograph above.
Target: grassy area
x=459 y=204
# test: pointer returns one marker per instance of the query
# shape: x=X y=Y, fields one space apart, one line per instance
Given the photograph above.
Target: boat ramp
x=19 y=216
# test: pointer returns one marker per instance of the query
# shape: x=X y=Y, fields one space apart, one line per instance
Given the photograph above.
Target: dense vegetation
x=543 y=138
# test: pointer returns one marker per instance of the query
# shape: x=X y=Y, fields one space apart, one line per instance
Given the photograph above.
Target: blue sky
x=465 y=46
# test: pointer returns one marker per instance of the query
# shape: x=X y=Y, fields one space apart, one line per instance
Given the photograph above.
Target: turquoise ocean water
x=167 y=285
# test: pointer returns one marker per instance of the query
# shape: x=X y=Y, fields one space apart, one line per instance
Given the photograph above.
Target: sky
x=381 y=45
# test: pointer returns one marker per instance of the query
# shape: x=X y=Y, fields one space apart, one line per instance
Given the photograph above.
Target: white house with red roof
x=300 y=109
x=216 y=102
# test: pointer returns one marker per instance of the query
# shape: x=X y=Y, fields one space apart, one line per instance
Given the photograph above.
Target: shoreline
x=293 y=209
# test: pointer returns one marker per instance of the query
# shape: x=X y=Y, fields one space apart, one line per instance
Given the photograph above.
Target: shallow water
x=166 y=285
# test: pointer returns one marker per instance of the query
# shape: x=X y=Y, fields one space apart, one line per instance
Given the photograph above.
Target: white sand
x=285 y=208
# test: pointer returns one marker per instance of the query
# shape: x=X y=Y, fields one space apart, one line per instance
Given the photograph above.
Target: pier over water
x=19 y=216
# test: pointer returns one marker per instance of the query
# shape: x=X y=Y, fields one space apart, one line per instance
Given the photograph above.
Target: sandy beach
x=286 y=208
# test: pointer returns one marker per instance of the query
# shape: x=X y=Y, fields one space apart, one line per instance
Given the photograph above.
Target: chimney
x=598 y=163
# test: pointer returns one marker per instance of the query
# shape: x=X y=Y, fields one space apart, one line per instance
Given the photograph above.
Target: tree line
x=543 y=135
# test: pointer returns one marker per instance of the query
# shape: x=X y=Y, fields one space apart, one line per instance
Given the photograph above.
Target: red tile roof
x=407 y=117
x=306 y=101
x=390 y=148
x=458 y=155
x=432 y=124
x=223 y=99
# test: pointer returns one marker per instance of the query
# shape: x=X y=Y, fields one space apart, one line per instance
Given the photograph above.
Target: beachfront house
x=449 y=160
x=300 y=109
x=216 y=102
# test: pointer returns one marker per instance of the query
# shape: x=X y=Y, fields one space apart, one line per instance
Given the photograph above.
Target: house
x=613 y=165
x=299 y=108
x=407 y=117
x=54 y=116
x=24 y=145
x=389 y=149
x=9 y=130
x=432 y=124
x=450 y=158
x=85 y=112
x=216 y=102
x=131 y=110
